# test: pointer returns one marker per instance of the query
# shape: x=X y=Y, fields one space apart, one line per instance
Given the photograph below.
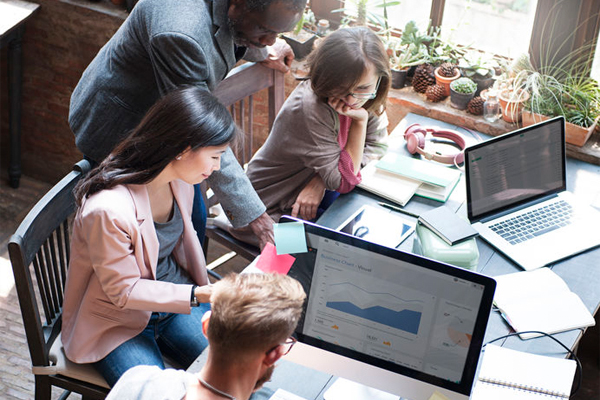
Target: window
x=596 y=63
x=494 y=26
x=503 y=27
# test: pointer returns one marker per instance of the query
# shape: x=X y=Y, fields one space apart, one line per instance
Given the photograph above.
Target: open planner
x=511 y=374
x=540 y=300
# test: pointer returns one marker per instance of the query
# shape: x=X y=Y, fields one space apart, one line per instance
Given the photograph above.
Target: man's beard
x=265 y=378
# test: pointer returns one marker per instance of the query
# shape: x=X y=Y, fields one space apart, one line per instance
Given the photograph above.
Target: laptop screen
x=394 y=310
x=515 y=168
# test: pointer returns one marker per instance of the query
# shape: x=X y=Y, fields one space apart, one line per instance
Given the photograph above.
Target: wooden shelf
x=403 y=101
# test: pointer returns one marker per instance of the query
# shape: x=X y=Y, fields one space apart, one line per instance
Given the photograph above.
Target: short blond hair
x=253 y=312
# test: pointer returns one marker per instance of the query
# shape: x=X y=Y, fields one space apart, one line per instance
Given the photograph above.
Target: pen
x=398 y=209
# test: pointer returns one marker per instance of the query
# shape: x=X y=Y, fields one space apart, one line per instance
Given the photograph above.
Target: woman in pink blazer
x=137 y=268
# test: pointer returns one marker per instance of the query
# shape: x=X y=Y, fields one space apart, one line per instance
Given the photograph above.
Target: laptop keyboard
x=534 y=223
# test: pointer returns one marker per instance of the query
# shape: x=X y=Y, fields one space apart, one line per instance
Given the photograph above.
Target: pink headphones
x=415 y=143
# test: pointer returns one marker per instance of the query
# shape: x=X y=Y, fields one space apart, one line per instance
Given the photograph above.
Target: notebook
x=540 y=300
x=390 y=186
x=517 y=198
x=516 y=375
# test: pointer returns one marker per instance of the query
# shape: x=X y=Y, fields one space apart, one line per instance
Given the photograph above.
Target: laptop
x=517 y=196
x=391 y=320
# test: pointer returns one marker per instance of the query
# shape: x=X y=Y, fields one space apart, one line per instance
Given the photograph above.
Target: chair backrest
x=237 y=92
x=41 y=243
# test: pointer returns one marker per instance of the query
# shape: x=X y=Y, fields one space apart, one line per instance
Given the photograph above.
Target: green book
x=421 y=170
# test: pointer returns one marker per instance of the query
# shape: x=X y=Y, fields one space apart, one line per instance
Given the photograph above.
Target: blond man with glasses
x=248 y=328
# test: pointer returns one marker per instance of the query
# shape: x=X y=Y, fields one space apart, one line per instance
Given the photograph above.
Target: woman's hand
x=203 y=293
x=358 y=114
x=309 y=198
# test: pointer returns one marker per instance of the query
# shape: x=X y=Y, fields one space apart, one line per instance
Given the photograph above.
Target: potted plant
x=403 y=57
x=575 y=98
x=445 y=74
x=302 y=38
x=462 y=91
x=480 y=67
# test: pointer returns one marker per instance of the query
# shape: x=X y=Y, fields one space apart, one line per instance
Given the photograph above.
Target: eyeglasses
x=287 y=345
x=367 y=96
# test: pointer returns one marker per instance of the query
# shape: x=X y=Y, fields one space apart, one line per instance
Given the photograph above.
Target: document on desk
x=281 y=394
x=344 y=389
x=516 y=375
x=539 y=300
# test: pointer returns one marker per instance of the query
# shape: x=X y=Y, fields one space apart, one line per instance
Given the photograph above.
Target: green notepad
x=421 y=170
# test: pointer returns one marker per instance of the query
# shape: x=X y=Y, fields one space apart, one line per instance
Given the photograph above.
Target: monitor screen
x=396 y=311
x=515 y=168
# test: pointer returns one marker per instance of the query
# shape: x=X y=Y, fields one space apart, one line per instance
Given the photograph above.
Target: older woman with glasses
x=330 y=126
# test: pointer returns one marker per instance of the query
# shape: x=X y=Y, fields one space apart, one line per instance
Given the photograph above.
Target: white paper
x=281 y=394
x=343 y=389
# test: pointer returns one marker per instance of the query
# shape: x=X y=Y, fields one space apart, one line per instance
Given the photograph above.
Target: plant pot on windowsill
x=445 y=81
x=512 y=103
x=575 y=134
x=301 y=43
x=399 y=78
x=462 y=91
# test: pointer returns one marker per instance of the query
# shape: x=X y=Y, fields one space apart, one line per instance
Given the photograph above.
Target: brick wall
x=60 y=40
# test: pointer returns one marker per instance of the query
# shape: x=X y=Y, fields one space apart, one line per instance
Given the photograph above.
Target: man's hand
x=262 y=227
x=309 y=198
x=280 y=56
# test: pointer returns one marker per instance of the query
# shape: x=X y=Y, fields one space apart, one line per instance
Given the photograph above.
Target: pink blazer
x=111 y=288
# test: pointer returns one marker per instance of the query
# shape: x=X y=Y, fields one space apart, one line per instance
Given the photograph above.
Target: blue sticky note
x=290 y=238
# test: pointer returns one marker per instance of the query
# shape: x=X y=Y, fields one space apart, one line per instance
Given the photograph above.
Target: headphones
x=415 y=143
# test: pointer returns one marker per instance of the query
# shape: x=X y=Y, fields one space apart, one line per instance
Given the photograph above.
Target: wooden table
x=13 y=15
x=581 y=272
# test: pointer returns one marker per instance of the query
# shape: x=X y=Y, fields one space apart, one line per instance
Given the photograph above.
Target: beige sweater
x=302 y=143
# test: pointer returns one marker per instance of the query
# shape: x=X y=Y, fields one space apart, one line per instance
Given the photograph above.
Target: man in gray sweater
x=164 y=44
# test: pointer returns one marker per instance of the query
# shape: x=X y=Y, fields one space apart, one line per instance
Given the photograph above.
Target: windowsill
x=414 y=102
x=103 y=6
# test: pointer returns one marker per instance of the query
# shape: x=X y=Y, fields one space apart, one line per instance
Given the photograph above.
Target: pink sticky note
x=270 y=261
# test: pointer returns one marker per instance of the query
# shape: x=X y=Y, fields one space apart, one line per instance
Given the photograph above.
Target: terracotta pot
x=512 y=106
x=575 y=134
x=445 y=81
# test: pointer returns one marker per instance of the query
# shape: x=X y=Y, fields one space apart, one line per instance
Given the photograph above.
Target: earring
x=178 y=158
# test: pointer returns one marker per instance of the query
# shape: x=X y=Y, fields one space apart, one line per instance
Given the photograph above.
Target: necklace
x=214 y=389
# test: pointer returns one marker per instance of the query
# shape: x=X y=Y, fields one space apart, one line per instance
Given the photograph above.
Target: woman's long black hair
x=188 y=117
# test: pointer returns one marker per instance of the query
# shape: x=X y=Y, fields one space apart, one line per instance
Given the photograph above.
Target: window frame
x=580 y=24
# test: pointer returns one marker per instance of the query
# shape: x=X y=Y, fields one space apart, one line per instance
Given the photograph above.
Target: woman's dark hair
x=341 y=59
x=188 y=117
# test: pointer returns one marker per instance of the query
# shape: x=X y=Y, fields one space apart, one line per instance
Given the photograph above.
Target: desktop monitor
x=390 y=320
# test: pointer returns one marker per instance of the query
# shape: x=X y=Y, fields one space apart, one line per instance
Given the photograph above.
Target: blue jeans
x=328 y=199
x=199 y=214
x=178 y=336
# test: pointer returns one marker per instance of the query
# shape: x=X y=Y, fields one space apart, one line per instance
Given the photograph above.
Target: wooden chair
x=236 y=91
x=39 y=254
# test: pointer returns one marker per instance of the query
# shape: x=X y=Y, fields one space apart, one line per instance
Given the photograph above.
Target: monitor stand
x=343 y=389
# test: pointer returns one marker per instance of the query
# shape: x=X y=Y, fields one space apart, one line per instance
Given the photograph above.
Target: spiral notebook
x=516 y=375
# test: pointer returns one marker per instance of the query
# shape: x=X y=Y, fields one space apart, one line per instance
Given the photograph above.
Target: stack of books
x=397 y=178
